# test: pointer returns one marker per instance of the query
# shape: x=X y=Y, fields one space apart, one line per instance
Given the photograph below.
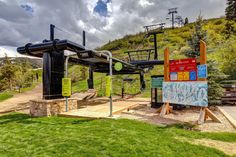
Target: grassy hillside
x=176 y=39
x=220 y=49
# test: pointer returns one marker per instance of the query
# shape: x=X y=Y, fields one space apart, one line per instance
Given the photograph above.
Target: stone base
x=39 y=108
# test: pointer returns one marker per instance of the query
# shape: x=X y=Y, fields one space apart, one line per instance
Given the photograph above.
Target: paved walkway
x=230 y=113
x=20 y=100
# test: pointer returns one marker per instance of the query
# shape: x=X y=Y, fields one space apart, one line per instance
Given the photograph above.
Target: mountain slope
x=176 y=39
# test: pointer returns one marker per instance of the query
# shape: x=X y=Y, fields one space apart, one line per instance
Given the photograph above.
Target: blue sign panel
x=202 y=71
x=193 y=76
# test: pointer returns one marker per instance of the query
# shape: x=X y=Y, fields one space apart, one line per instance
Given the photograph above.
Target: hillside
x=221 y=51
x=219 y=47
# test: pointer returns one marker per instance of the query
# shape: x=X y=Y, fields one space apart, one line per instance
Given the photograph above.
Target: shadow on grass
x=26 y=119
x=13 y=117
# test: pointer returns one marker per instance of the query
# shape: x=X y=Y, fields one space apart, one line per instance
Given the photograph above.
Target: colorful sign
x=184 y=69
x=108 y=86
x=202 y=71
x=186 y=93
x=157 y=82
x=66 y=87
x=118 y=66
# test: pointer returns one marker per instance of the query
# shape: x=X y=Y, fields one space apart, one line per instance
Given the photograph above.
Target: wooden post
x=205 y=112
x=166 y=64
x=203 y=57
x=166 y=108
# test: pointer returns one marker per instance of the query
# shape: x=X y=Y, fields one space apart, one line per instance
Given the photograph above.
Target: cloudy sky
x=24 y=21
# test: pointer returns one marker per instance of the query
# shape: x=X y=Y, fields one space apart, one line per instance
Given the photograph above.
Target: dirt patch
x=20 y=101
x=191 y=115
x=226 y=147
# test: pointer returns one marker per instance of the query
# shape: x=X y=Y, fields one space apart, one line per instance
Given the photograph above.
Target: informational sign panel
x=183 y=70
x=157 y=82
x=108 y=86
x=66 y=87
x=174 y=76
x=202 y=71
x=186 y=93
x=193 y=75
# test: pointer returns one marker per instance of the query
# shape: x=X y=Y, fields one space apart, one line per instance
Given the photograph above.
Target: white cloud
x=145 y=3
x=125 y=17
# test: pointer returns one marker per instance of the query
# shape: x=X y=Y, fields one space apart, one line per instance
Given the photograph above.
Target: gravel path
x=21 y=100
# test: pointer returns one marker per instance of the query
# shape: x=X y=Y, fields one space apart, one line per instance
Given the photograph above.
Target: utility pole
x=172 y=12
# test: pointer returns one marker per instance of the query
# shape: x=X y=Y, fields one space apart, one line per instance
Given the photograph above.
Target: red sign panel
x=183 y=70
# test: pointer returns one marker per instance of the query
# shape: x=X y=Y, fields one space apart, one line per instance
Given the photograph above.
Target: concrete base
x=40 y=108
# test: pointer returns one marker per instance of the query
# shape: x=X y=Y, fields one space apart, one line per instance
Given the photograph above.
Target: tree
x=215 y=91
x=7 y=71
x=230 y=13
x=186 y=21
x=230 y=10
x=227 y=58
x=194 y=42
x=83 y=71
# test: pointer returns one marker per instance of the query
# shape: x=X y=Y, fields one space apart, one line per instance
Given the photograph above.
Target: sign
x=202 y=71
x=174 y=76
x=66 y=87
x=183 y=70
x=186 y=93
x=118 y=66
x=108 y=86
x=193 y=76
x=157 y=82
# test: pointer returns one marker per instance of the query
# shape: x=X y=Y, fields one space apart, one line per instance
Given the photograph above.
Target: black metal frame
x=52 y=52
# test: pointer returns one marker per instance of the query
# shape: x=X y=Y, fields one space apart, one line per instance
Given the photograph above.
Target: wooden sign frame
x=204 y=111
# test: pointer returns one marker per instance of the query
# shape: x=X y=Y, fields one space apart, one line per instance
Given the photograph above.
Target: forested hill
x=221 y=46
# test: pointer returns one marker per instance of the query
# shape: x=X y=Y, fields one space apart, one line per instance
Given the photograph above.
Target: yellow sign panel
x=186 y=76
x=108 y=86
x=66 y=87
x=183 y=76
x=180 y=76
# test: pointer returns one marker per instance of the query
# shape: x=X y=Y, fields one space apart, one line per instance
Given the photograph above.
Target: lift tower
x=172 y=12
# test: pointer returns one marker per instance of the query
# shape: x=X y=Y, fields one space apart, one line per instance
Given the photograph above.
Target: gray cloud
x=127 y=16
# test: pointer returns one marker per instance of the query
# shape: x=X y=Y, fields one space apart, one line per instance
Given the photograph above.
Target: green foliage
x=78 y=73
x=7 y=74
x=230 y=29
x=198 y=35
x=58 y=136
x=215 y=91
x=14 y=73
x=228 y=59
x=230 y=10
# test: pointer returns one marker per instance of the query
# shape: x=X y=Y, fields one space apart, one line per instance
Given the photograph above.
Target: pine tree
x=186 y=21
x=194 y=42
x=215 y=90
x=230 y=13
x=230 y=10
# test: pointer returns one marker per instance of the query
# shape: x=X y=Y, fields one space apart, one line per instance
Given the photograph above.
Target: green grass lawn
x=22 y=135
